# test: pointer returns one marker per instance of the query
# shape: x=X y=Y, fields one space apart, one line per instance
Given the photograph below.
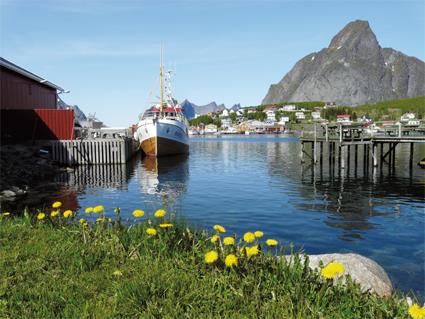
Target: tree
x=233 y=118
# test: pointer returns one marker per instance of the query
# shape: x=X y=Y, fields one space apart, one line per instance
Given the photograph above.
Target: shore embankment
x=26 y=174
x=62 y=263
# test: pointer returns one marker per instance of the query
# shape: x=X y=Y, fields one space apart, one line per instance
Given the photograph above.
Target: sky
x=107 y=52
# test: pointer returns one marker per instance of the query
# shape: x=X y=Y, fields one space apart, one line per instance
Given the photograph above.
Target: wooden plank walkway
x=93 y=151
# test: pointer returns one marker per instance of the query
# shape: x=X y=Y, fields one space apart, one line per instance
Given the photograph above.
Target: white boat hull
x=159 y=137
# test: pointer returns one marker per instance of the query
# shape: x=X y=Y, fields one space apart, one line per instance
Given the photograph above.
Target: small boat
x=163 y=128
x=421 y=163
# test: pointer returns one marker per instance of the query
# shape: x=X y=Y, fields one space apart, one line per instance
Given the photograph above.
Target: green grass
x=65 y=270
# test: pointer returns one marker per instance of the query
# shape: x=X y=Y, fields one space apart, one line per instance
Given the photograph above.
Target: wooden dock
x=93 y=151
x=341 y=140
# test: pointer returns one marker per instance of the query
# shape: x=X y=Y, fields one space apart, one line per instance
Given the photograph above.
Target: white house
x=343 y=118
x=406 y=117
x=225 y=113
x=315 y=115
x=271 y=115
x=300 y=115
x=289 y=108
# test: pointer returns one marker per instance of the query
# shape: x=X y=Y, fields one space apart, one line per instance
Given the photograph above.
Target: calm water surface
x=257 y=183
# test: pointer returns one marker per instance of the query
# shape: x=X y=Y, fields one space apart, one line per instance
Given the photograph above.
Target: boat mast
x=161 y=85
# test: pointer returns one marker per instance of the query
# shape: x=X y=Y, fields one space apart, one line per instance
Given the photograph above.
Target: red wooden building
x=28 y=107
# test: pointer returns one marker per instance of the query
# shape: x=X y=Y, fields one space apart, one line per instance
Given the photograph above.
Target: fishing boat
x=163 y=128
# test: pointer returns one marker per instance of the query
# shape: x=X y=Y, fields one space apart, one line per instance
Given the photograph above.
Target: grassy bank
x=63 y=267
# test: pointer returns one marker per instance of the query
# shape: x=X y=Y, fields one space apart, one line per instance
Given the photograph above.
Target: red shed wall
x=39 y=124
x=21 y=93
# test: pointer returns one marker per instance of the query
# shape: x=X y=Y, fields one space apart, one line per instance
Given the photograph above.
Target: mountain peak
x=355 y=35
x=353 y=70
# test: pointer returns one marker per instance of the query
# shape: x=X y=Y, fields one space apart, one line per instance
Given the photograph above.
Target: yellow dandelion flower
x=56 y=204
x=219 y=228
x=252 y=251
x=214 y=238
x=54 y=213
x=160 y=213
x=41 y=216
x=89 y=210
x=227 y=241
x=231 y=260
x=82 y=221
x=67 y=213
x=211 y=257
x=100 y=220
x=151 y=231
x=165 y=225
x=138 y=213
x=117 y=273
x=332 y=269
x=258 y=234
x=98 y=209
x=417 y=312
x=6 y=214
x=249 y=237
x=271 y=242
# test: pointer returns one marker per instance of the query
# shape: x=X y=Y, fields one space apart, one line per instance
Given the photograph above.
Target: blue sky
x=107 y=52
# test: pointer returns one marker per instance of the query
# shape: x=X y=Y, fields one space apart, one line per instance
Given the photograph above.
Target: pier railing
x=93 y=151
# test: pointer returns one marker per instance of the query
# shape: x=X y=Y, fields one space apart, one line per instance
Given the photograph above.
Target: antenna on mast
x=161 y=85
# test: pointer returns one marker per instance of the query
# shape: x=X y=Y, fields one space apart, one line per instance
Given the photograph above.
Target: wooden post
x=390 y=155
x=340 y=133
x=321 y=153
x=382 y=152
x=330 y=154
x=364 y=155
x=315 y=145
x=348 y=155
x=326 y=133
x=355 y=155
x=375 y=159
x=395 y=146
x=411 y=155
x=342 y=156
x=302 y=152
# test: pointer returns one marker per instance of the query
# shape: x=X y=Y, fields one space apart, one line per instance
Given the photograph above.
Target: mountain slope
x=353 y=70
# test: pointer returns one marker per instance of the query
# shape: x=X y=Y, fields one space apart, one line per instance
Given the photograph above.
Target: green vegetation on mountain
x=393 y=109
x=205 y=119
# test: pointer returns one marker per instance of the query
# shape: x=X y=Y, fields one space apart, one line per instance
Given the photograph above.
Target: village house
x=315 y=115
x=300 y=115
x=343 y=118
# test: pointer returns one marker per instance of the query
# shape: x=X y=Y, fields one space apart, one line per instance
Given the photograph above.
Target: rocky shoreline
x=26 y=174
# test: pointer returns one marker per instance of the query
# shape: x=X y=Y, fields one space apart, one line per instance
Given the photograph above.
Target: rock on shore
x=22 y=169
x=362 y=270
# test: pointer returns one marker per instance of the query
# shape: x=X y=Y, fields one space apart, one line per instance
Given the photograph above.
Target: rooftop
x=13 y=67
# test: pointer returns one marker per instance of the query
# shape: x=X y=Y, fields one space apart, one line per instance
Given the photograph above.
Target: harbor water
x=249 y=183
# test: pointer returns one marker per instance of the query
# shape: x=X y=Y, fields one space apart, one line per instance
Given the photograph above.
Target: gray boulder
x=362 y=270
x=352 y=70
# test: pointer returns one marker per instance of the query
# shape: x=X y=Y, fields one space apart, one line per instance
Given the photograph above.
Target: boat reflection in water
x=164 y=176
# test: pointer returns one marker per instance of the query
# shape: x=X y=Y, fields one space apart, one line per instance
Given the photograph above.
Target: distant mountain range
x=190 y=109
x=353 y=70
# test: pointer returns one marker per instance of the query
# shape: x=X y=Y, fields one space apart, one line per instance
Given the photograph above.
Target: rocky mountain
x=353 y=70
x=190 y=109
x=78 y=113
